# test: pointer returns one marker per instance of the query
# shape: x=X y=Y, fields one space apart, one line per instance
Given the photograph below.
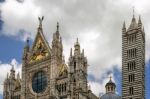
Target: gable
x=40 y=48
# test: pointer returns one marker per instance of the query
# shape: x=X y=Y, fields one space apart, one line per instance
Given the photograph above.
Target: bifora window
x=39 y=82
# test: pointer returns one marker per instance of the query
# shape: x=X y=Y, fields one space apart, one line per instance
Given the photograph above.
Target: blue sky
x=89 y=22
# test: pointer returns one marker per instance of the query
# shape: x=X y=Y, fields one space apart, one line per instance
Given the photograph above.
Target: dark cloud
x=1 y=1
x=20 y=1
x=1 y=22
x=97 y=24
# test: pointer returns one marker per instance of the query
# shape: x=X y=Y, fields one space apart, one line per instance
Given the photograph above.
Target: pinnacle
x=139 y=22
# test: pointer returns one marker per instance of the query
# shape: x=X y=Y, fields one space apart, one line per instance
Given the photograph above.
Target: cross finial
x=110 y=77
x=40 y=21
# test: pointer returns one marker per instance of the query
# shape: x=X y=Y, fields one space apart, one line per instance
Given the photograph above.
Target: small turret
x=77 y=48
x=26 y=49
x=71 y=52
x=57 y=31
x=12 y=72
x=140 y=23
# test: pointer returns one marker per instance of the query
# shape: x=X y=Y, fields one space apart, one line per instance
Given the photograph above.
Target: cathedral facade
x=45 y=74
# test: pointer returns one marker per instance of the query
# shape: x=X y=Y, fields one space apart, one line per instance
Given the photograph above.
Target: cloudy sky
x=97 y=24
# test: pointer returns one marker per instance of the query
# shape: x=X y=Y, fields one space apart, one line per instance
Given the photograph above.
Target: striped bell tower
x=133 y=60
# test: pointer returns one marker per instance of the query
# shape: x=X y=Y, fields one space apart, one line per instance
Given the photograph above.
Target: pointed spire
x=57 y=26
x=139 y=22
x=12 y=72
x=83 y=52
x=124 y=25
x=71 y=52
x=133 y=24
x=124 y=28
x=133 y=13
x=77 y=48
x=77 y=42
x=57 y=31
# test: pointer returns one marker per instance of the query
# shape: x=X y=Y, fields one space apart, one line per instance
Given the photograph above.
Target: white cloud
x=97 y=24
x=99 y=87
x=5 y=68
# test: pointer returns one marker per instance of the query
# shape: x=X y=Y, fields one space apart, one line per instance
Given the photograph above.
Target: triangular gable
x=40 y=48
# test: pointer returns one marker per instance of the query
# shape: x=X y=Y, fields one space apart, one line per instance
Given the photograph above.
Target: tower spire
x=133 y=24
x=124 y=25
x=57 y=26
x=133 y=12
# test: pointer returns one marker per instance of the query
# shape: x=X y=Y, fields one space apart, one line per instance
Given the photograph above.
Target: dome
x=110 y=96
x=111 y=83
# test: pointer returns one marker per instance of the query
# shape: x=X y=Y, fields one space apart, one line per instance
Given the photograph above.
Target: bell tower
x=133 y=60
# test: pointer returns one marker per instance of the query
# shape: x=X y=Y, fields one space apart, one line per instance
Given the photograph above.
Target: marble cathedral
x=45 y=75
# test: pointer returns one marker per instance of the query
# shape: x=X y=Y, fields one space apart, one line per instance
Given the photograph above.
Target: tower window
x=131 y=90
x=131 y=53
x=131 y=38
x=131 y=65
x=131 y=78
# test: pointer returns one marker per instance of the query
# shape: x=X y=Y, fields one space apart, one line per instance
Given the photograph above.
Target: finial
x=124 y=25
x=139 y=22
x=77 y=40
x=40 y=21
x=133 y=12
x=71 y=52
x=110 y=78
x=83 y=52
x=57 y=26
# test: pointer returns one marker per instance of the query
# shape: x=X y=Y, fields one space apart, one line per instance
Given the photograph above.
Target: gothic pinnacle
x=71 y=52
x=139 y=22
x=57 y=26
x=124 y=25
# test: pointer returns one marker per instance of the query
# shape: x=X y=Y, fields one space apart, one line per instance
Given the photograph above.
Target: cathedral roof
x=110 y=96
